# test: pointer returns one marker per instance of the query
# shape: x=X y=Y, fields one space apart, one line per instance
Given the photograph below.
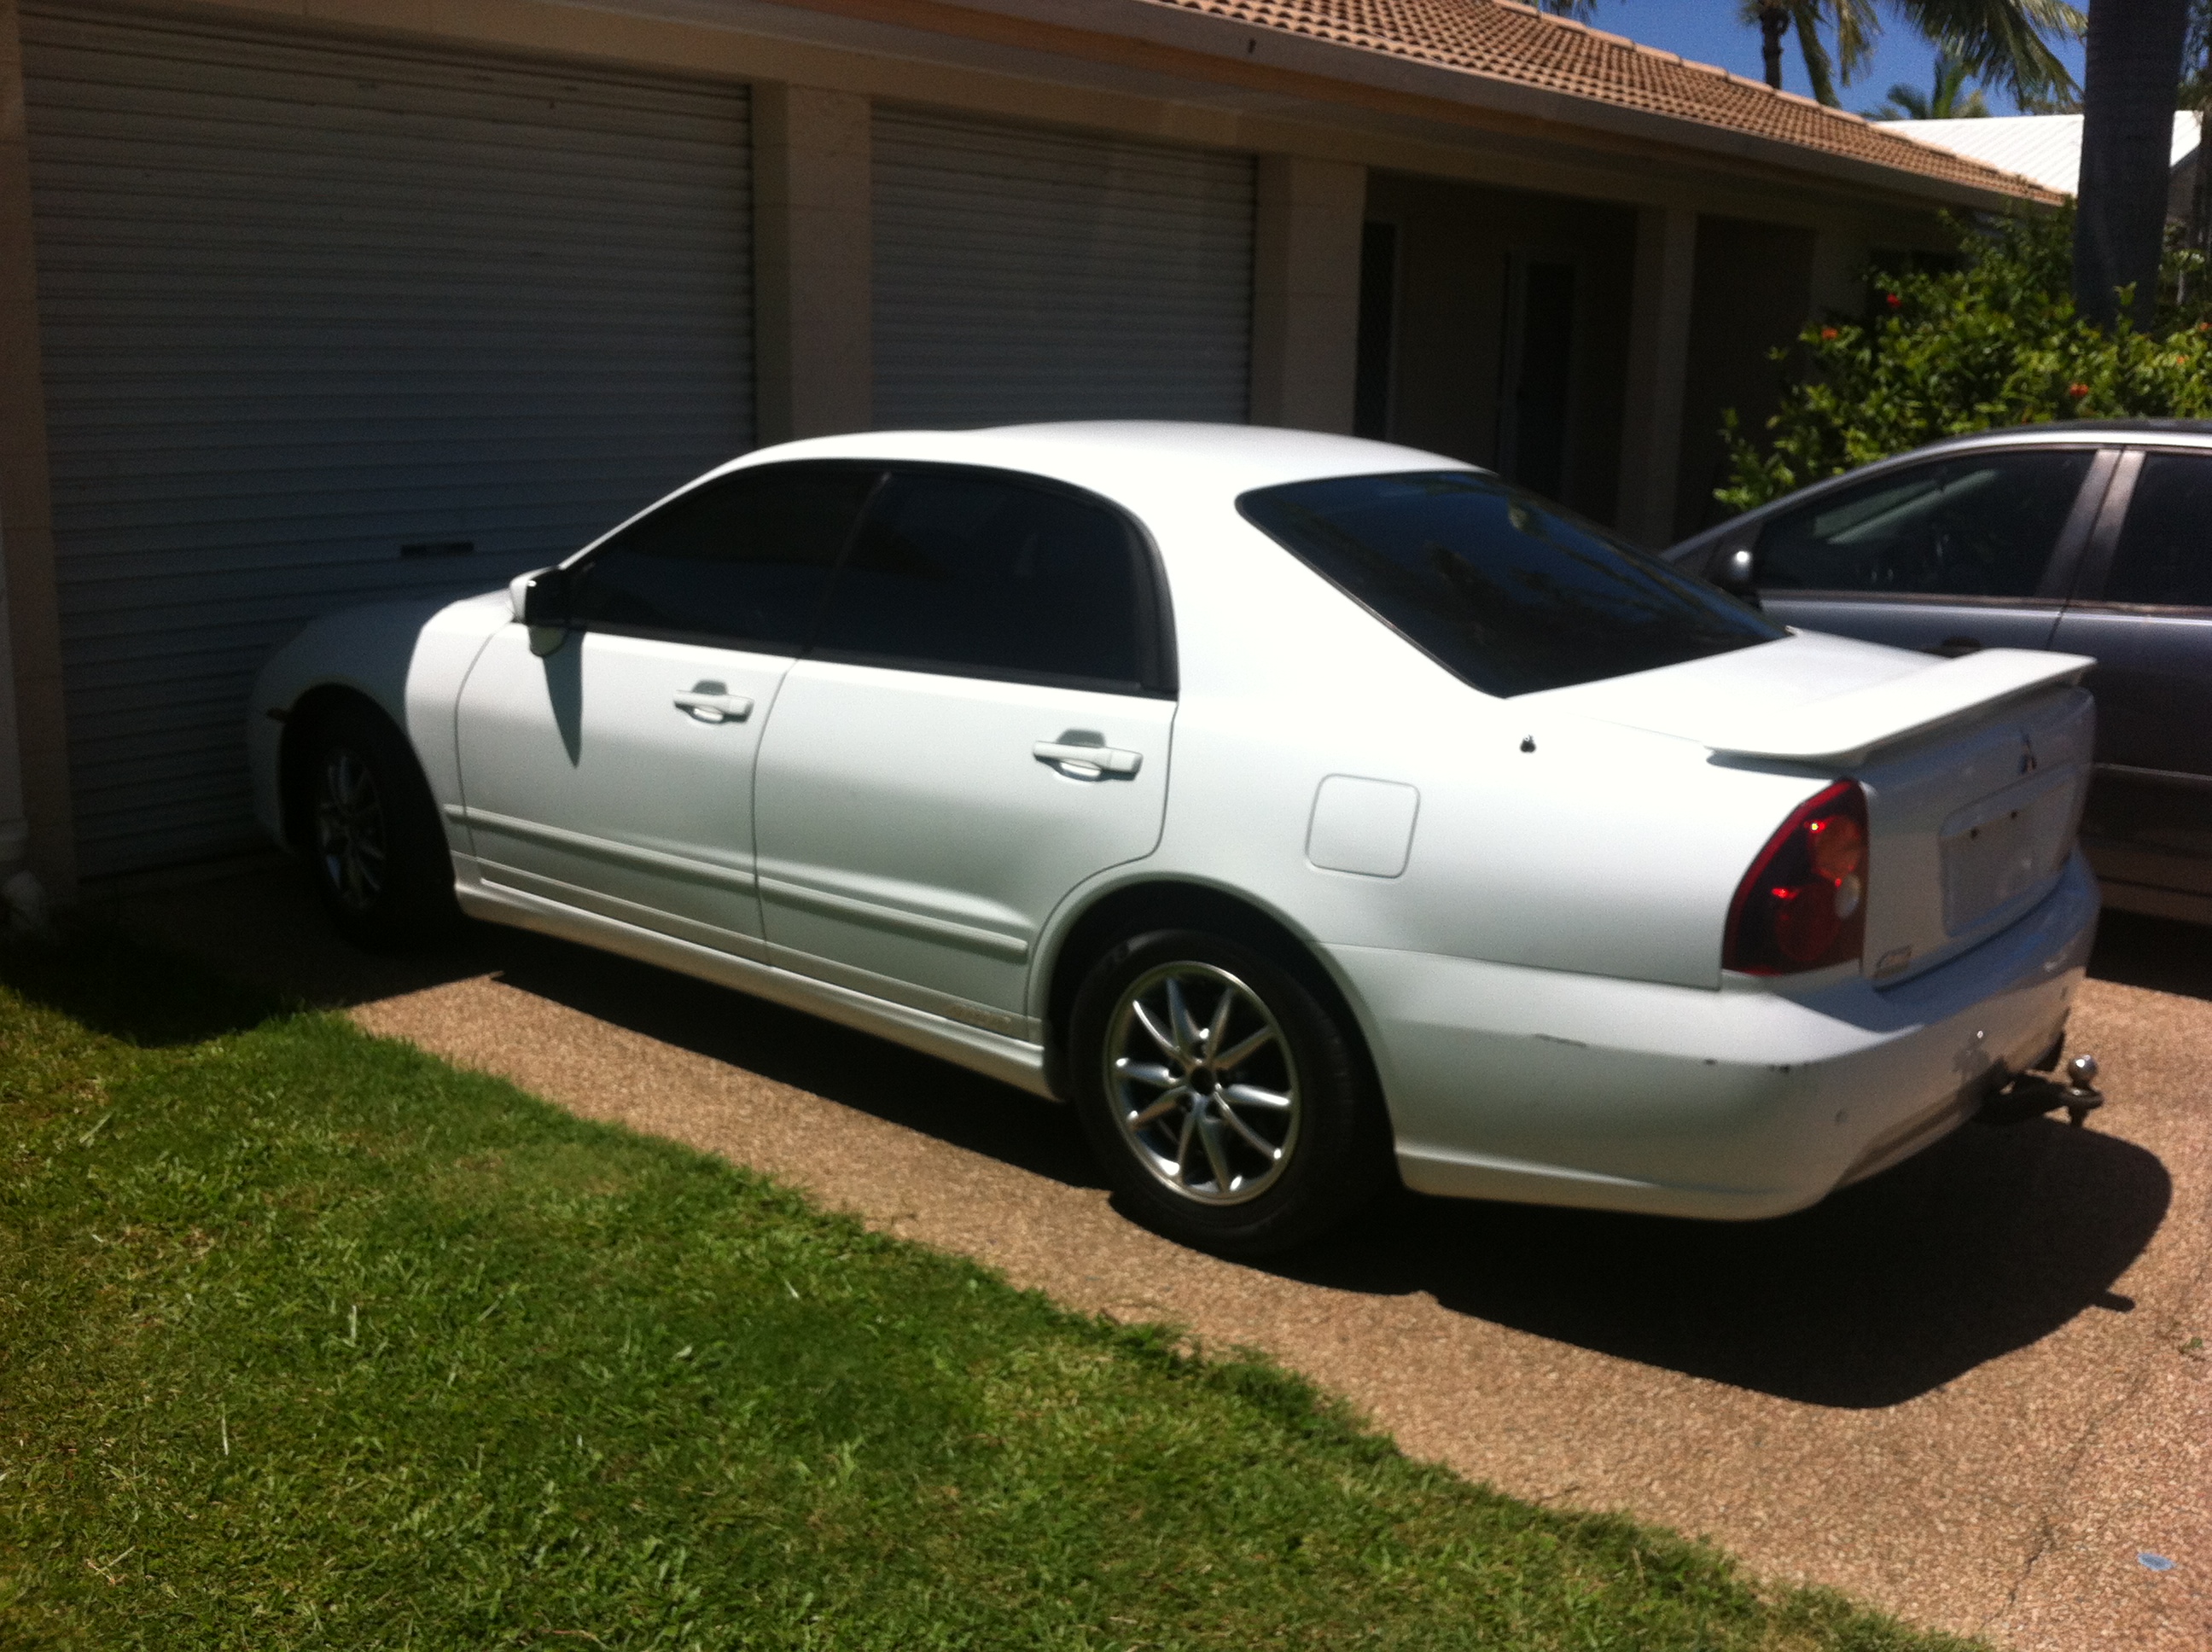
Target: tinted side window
x=2165 y=553
x=746 y=559
x=970 y=572
x=1507 y=592
x=1983 y=525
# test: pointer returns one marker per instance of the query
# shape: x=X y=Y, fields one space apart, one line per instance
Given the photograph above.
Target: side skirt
x=1010 y=1061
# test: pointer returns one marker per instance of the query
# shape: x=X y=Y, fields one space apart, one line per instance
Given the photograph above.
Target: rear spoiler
x=1840 y=730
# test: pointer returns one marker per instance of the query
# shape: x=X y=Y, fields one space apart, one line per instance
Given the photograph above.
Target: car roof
x=2183 y=432
x=1120 y=457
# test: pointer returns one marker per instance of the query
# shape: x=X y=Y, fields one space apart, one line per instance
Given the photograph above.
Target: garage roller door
x=1023 y=274
x=329 y=322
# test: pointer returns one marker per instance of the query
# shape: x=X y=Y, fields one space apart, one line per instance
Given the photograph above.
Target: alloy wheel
x=1203 y=1082
x=350 y=830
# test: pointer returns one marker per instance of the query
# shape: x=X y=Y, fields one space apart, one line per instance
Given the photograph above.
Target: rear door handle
x=710 y=702
x=1087 y=763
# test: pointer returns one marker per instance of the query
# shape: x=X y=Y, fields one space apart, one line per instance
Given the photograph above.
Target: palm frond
x=2001 y=42
x=1819 y=69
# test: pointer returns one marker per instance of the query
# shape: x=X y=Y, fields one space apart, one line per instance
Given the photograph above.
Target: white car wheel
x=372 y=837
x=1223 y=1095
x=1202 y=1083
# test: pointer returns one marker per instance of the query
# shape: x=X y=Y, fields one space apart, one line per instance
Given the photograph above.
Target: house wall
x=1467 y=186
x=34 y=786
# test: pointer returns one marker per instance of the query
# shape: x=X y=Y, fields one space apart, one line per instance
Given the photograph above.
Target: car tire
x=1252 y=1127
x=375 y=847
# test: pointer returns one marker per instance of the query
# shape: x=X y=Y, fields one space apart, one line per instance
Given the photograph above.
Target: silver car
x=2085 y=538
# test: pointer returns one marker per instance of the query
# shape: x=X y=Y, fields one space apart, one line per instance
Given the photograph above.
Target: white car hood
x=1811 y=698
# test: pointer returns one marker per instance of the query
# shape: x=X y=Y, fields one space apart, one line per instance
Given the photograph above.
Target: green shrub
x=1994 y=340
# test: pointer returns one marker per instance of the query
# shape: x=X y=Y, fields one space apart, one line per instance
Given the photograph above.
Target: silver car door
x=2144 y=611
x=1958 y=553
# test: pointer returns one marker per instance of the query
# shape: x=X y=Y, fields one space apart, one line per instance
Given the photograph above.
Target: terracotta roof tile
x=1502 y=40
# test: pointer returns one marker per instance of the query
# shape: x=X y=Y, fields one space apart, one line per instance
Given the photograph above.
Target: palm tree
x=1948 y=100
x=2196 y=94
x=1998 y=42
x=1854 y=25
x=2127 y=95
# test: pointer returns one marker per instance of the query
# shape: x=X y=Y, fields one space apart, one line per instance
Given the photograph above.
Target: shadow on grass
x=1984 y=1244
x=123 y=987
x=266 y=926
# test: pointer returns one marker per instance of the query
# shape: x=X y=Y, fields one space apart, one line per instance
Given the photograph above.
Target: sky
x=1710 y=31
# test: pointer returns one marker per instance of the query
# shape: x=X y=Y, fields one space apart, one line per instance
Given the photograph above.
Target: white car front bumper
x=1542 y=1085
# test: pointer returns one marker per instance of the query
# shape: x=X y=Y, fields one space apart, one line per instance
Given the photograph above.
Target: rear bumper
x=1555 y=1088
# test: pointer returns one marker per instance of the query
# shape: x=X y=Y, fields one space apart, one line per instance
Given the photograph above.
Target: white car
x=1291 y=805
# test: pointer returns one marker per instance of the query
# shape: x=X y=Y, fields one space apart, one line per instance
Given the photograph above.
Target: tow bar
x=2032 y=1095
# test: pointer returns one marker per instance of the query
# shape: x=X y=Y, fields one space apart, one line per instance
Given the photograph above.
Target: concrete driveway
x=1976 y=1391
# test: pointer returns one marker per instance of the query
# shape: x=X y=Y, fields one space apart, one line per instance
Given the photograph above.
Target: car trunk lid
x=1975 y=769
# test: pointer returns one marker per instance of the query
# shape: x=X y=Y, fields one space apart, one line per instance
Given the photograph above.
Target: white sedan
x=1292 y=806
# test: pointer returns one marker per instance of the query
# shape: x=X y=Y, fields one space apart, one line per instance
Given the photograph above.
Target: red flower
x=2077 y=391
x=1827 y=332
x=1893 y=300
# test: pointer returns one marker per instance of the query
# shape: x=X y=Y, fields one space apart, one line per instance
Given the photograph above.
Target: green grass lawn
x=307 y=1339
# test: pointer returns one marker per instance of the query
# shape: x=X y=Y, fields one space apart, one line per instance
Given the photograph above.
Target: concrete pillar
x=1658 y=359
x=1305 y=293
x=34 y=792
x=813 y=360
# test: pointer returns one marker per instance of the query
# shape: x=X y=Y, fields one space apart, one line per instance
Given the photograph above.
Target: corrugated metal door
x=316 y=316
x=1023 y=274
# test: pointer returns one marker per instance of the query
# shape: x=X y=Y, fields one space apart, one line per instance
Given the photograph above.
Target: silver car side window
x=1984 y=524
x=2163 y=558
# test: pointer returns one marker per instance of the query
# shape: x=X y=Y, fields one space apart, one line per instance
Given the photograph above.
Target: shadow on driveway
x=2157 y=953
x=1983 y=1244
x=1986 y=1242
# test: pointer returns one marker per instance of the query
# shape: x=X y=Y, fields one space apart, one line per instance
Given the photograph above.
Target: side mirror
x=1738 y=574
x=541 y=600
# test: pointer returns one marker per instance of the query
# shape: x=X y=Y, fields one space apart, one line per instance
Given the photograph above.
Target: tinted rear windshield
x=1507 y=592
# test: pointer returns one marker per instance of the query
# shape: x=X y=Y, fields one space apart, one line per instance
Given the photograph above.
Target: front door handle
x=1087 y=763
x=712 y=703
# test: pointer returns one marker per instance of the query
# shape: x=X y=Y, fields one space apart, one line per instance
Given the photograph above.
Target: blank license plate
x=2000 y=849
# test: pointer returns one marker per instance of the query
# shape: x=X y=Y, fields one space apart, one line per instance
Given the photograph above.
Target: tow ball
x=2034 y=1094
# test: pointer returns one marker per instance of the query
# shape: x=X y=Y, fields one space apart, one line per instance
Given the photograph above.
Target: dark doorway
x=1378 y=330
x=1537 y=374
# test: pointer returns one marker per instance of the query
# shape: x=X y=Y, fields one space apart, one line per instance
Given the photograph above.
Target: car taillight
x=1803 y=905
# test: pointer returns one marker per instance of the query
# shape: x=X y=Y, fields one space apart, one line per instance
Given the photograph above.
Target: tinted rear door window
x=1507 y=592
x=2163 y=558
x=980 y=573
x=1980 y=526
x=745 y=559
